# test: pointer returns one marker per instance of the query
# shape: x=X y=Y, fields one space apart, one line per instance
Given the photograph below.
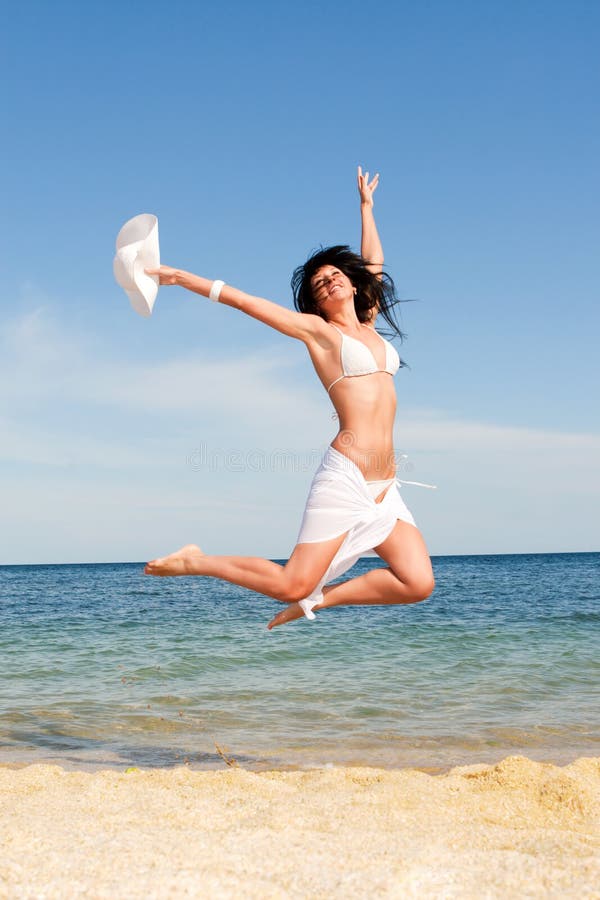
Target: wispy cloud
x=41 y=360
x=126 y=435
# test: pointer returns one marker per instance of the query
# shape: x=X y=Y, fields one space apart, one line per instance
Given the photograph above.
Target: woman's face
x=329 y=284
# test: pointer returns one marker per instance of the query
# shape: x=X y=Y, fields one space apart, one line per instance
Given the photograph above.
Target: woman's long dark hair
x=372 y=291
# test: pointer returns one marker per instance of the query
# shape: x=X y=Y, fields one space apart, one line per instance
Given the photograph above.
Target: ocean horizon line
x=133 y=562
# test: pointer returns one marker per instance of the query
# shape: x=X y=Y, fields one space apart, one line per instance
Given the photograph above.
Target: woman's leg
x=409 y=578
x=289 y=583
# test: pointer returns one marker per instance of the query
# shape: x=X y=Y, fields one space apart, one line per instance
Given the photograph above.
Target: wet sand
x=516 y=829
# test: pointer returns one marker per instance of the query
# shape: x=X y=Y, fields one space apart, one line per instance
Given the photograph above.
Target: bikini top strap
x=336 y=328
x=376 y=332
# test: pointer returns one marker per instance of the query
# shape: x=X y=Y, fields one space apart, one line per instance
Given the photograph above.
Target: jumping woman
x=354 y=505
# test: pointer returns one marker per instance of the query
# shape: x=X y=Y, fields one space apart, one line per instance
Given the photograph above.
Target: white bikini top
x=357 y=359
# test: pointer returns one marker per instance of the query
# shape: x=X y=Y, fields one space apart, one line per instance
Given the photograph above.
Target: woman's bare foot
x=291 y=612
x=187 y=561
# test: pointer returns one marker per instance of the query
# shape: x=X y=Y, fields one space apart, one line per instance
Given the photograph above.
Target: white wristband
x=215 y=291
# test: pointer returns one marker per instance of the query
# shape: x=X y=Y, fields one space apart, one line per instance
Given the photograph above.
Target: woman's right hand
x=166 y=275
x=366 y=189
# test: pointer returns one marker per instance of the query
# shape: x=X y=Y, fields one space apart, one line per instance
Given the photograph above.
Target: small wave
x=577 y=616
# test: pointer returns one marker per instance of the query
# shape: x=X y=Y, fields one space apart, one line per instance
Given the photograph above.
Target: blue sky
x=240 y=126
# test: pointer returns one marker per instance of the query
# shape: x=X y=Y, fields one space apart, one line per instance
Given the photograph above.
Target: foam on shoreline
x=509 y=830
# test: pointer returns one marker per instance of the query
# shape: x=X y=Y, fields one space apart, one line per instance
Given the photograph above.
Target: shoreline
x=515 y=828
x=224 y=756
x=435 y=772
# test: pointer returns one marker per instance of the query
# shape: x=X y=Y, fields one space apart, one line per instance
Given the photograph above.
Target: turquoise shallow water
x=103 y=666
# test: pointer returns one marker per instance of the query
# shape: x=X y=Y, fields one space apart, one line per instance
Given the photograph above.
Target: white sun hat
x=137 y=249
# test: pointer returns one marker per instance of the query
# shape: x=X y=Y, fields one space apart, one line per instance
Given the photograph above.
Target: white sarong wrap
x=339 y=501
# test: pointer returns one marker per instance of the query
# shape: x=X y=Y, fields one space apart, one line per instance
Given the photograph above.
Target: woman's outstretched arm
x=302 y=326
x=370 y=245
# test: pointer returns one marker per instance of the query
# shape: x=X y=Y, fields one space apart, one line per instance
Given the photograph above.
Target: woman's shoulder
x=321 y=331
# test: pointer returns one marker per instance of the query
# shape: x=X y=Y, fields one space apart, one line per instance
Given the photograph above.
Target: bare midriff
x=366 y=408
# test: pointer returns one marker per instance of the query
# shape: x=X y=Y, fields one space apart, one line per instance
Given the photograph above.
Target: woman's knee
x=416 y=589
x=297 y=588
x=422 y=587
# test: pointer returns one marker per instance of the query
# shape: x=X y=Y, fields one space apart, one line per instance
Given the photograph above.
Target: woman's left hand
x=166 y=274
x=365 y=189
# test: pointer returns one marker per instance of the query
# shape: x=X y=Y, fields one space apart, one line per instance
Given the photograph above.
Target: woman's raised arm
x=302 y=326
x=370 y=245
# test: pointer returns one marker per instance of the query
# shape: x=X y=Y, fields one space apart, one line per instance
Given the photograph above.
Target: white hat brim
x=138 y=249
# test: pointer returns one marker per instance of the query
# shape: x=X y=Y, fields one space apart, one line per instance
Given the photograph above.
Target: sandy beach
x=516 y=829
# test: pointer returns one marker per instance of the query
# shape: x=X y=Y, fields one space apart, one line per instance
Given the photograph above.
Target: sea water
x=103 y=666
